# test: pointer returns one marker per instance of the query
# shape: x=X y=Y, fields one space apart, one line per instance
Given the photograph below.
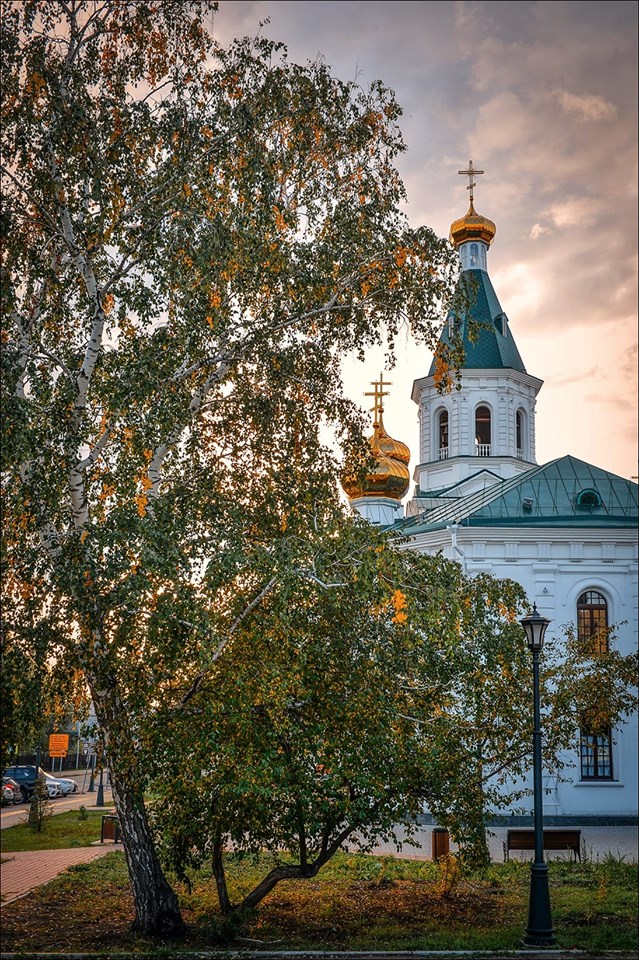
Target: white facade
x=555 y=568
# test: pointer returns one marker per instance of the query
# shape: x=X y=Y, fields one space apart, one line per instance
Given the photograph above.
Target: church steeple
x=489 y=425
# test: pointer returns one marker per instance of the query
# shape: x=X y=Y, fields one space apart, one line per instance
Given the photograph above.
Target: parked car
x=11 y=792
x=66 y=784
x=25 y=776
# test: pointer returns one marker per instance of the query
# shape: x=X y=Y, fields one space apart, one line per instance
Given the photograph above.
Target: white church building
x=566 y=530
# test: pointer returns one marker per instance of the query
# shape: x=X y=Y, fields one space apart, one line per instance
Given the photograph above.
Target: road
x=18 y=813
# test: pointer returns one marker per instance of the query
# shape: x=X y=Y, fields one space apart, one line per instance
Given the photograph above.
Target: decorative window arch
x=592 y=622
x=443 y=434
x=520 y=432
x=483 y=427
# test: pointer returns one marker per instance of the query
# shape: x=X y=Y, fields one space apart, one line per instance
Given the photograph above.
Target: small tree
x=374 y=682
x=40 y=807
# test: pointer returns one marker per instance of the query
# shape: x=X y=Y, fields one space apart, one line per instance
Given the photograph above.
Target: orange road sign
x=58 y=744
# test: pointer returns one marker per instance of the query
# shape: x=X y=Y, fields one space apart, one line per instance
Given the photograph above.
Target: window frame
x=596 y=756
x=442 y=424
x=483 y=448
x=596 y=634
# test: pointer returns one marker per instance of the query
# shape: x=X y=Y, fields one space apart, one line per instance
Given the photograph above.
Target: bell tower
x=487 y=428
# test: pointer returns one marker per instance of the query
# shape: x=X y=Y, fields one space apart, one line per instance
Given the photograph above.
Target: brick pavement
x=27 y=869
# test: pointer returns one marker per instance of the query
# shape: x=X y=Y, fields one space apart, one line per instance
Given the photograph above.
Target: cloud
x=537 y=231
x=575 y=212
x=577 y=377
x=585 y=107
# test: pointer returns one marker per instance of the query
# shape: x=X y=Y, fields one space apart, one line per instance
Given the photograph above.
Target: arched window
x=442 y=425
x=595 y=750
x=592 y=622
x=474 y=254
x=482 y=431
x=519 y=428
x=588 y=499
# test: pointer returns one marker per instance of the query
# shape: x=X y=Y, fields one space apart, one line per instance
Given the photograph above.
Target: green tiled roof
x=544 y=496
x=488 y=348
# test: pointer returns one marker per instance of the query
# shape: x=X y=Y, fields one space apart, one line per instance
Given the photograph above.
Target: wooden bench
x=553 y=840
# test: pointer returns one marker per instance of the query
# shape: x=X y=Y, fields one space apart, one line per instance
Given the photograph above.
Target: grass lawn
x=58 y=832
x=357 y=902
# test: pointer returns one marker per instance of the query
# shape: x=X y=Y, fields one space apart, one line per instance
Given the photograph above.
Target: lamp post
x=100 y=801
x=539 y=932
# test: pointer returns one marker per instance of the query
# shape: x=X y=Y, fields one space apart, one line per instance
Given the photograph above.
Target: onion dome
x=472 y=227
x=392 y=448
x=390 y=477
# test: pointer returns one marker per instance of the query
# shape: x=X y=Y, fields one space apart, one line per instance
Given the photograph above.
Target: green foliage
x=339 y=711
x=194 y=237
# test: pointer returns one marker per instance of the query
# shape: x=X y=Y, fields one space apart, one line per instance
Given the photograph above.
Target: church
x=565 y=530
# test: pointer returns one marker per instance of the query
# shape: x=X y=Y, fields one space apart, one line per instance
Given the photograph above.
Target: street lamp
x=539 y=932
x=100 y=801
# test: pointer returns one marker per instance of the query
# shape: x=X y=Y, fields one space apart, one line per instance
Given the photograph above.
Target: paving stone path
x=27 y=869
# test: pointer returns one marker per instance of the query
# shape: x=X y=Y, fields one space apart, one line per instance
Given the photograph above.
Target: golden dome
x=390 y=477
x=391 y=448
x=472 y=227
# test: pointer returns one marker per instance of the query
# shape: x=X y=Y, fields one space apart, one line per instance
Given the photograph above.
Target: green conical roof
x=483 y=325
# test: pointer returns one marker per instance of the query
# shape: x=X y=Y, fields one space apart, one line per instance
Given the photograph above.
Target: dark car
x=25 y=777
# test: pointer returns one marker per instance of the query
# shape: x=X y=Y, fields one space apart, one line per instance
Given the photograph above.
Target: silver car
x=66 y=784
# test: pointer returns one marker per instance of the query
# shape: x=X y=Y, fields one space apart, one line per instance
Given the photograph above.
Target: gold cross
x=470 y=173
x=378 y=393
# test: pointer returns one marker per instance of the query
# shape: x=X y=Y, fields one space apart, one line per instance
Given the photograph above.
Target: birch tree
x=193 y=237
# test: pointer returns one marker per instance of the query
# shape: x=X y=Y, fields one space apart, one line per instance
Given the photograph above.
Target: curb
x=333 y=955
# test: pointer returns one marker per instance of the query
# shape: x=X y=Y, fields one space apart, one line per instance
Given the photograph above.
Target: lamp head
x=535 y=627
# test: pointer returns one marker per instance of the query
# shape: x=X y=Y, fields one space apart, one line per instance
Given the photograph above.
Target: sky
x=542 y=96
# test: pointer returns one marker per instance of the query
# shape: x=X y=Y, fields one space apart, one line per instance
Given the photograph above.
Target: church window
x=596 y=755
x=474 y=254
x=519 y=425
x=482 y=431
x=588 y=498
x=442 y=422
x=592 y=622
x=501 y=322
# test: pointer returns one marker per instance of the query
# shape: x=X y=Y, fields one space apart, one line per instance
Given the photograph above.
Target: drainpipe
x=453 y=528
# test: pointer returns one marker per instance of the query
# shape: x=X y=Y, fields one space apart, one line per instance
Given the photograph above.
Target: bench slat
x=553 y=840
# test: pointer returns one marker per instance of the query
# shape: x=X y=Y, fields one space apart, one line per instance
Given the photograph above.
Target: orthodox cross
x=378 y=394
x=470 y=173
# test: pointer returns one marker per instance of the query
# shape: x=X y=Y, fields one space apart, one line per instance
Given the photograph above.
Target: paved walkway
x=27 y=869
x=596 y=842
